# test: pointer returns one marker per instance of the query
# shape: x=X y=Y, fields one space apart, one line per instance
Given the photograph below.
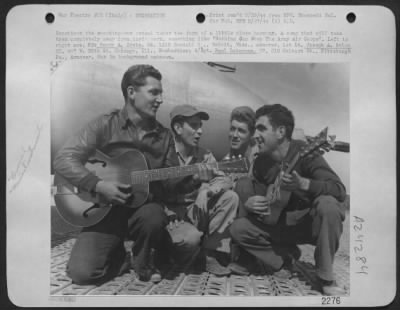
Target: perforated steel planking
x=239 y=286
x=193 y=284
x=304 y=288
x=63 y=239
x=262 y=286
x=58 y=260
x=75 y=289
x=58 y=269
x=284 y=287
x=57 y=283
x=168 y=286
x=215 y=286
x=136 y=287
x=180 y=280
x=114 y=286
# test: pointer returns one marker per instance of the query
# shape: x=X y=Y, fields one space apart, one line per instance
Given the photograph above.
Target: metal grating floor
x=179 y=281
x=184 y=281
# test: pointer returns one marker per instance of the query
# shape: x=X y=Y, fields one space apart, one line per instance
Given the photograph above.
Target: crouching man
x=199 y=219
x=312 y=215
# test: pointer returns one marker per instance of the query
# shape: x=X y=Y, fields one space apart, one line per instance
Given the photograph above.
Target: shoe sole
x=238 y=272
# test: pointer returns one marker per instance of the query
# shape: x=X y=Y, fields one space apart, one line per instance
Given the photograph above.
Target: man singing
x=208 y=205
x=99 y=253
x=312 y=215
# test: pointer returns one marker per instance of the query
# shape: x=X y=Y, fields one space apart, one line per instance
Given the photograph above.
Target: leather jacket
x=107 y=133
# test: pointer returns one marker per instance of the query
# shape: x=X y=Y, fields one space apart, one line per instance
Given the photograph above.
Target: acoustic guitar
x=278 y=198
x=83 y=209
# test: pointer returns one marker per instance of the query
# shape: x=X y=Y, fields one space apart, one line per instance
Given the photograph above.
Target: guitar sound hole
x=85 y=213
x=97 y=161
x=126 y=190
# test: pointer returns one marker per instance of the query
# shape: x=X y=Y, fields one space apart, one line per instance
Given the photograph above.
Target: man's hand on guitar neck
x=258 y=205
x=114 y=192
x=294 y=182
x=205 y=174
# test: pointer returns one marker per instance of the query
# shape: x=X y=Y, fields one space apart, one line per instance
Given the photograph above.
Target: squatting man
x=211 y=208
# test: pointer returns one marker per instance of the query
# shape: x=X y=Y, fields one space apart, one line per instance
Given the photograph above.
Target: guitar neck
x=290 y=166
x=165 y=173
x=293 y=163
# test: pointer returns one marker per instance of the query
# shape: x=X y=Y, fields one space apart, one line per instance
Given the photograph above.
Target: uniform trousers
x=321 y=226
x=209 y=219
x=99 y=251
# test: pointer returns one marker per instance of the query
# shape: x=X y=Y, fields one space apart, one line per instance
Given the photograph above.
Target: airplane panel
x=80 y=91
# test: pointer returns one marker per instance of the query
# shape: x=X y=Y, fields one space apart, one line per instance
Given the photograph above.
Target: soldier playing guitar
x=270 y=229
x=99 y=253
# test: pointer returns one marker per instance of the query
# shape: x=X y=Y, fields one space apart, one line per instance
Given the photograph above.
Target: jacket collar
x=125 y=122
x=194 y=156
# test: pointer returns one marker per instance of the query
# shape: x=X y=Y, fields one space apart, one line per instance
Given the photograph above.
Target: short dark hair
x=136 y=76
x=278 y=115
x=244 y=119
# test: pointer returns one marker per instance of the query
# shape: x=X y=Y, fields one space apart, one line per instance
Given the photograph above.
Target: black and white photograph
x=182 y=156
x=200 y=179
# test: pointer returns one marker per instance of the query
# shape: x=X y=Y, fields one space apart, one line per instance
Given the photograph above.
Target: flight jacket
x=110 y=132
